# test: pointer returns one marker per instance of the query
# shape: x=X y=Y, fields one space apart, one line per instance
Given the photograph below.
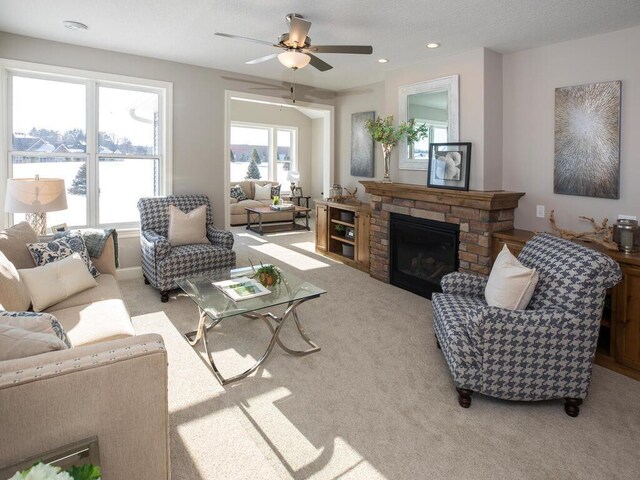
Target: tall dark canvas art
x=362 y=154
x=587 y=140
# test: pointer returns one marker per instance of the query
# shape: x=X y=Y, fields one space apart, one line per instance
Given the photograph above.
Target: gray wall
x=284 y=117
x=529 y=83
x=480 y=72
x=362 y=99
x=198 y=110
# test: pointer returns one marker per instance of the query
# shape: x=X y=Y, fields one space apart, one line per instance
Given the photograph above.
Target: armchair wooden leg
x=464 y=397
x=146 y=280
x=572 y=406
x=438 y=343
x=164 y=296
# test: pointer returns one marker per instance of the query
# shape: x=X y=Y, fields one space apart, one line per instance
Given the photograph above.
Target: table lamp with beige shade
x=35 y=197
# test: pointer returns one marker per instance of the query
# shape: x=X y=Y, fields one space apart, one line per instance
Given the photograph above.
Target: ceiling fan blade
x=319 y=64
x=261 y=59
x=299 y=30
x=358 y=49
x=227 y=35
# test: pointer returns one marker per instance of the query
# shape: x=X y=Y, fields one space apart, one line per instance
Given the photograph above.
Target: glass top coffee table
x=214 y=306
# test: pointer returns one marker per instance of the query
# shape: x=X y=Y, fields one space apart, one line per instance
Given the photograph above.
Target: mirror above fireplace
x=434 y=103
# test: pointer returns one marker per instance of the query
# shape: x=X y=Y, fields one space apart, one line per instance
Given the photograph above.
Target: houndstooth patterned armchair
x=544 y=352
x=162 y=264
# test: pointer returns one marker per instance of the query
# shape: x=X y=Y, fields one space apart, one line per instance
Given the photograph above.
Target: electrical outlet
x=540 y=211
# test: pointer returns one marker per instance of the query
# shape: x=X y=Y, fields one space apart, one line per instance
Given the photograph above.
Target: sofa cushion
x=16 y=342
x=13 y=243
x=47 y=252
x=240 y=207
x=262 y=192
x=106 y=262
x=187 y=228
x=107 y=289
x=247 y=188
x=95 y=322
x=13 y=293
x=237 y=193
x=35 y=322
x=55 y=281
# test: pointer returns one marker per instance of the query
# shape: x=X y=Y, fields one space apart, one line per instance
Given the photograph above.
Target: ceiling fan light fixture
x=433 y=45
x=294 y=59
x=382 y=60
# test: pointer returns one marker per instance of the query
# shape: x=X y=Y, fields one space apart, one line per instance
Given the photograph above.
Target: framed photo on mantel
x=449 y=165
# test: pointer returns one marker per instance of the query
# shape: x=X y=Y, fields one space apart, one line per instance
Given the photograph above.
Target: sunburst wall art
x=587 y=140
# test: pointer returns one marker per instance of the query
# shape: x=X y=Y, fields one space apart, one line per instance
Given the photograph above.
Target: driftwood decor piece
x=350 y=197
x=601 y=234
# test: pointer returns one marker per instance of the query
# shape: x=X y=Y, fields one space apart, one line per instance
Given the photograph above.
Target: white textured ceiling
x=183 y=31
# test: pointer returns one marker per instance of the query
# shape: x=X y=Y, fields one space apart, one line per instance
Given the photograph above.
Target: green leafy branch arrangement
x=383 y=131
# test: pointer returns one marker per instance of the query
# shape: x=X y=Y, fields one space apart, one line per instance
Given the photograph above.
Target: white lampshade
x=293 y=176
x=35 y=195
x=294 y=59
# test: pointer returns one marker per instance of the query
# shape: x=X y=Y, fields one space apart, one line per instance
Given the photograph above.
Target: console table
x=619 y=342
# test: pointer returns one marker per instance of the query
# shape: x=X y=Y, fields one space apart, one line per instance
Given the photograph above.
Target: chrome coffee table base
x=206 y=323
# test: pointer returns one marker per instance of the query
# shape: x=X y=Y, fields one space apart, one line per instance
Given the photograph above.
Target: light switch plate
x=540 y=211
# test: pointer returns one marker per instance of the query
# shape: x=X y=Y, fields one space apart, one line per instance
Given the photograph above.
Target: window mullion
x=273 y=155
x=92 y=154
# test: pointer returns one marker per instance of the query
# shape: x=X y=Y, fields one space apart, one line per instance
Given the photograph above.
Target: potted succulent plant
x=383 y=132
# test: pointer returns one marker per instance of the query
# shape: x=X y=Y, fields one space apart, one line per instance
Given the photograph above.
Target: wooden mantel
x=494 y=200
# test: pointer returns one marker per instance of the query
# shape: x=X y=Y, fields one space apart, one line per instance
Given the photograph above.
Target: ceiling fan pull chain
x=293 y=85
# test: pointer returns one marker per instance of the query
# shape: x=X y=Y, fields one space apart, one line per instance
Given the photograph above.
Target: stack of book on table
x=242 y=288
x=283 y=206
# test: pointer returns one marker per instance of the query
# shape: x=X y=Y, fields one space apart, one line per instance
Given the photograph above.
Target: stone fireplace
x=477 y=215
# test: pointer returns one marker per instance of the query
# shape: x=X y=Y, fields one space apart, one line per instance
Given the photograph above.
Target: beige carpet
x=376 y=402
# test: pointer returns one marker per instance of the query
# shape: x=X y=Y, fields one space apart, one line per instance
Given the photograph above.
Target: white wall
x=254 y=112
x=198 y=110
x=317 y=158
x=529 y=83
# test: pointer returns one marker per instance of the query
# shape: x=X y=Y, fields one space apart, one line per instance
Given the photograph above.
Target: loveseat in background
x=238 y=208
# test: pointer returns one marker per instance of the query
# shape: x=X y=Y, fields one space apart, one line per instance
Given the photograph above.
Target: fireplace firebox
x=422 y=252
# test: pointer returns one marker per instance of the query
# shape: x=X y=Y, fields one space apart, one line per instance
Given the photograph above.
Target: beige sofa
x=111 y=384
x=237 y=209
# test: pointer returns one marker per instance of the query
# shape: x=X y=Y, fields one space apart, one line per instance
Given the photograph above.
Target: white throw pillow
x=187 y=228
x=262 y=193
x=510 y=284
x=56 y=281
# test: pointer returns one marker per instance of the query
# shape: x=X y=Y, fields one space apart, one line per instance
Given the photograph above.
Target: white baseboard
x=129 y=273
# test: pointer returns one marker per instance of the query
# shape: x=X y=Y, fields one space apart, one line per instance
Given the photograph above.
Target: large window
x=262 y=152
x=105 y=139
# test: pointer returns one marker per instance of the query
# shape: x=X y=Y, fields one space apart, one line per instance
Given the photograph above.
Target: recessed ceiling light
x=433 y=45
x=71 y=25
x=382 y=60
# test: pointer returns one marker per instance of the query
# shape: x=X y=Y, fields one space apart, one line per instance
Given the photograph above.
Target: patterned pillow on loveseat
x=238 y=193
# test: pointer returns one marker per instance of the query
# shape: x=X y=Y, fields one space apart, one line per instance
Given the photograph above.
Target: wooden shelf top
x=483 y=200
x=351 y=206
x=522 y=236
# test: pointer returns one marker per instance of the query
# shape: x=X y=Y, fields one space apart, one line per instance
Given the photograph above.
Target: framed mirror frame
x=451 y=85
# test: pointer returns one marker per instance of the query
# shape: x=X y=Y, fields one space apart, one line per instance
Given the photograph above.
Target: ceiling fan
x=298 y=50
